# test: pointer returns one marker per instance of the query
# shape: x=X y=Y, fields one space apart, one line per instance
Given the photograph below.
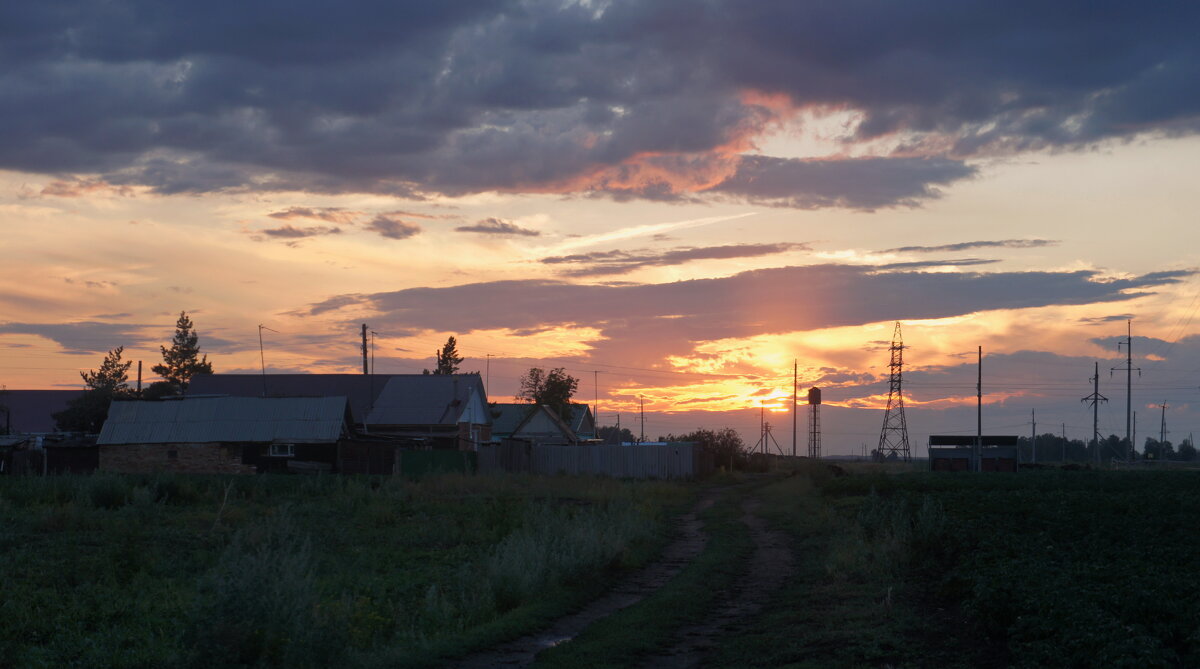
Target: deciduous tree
x=553 y=389
x=88 y=412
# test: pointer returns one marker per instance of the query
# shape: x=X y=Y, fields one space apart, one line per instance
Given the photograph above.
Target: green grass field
x=890 y=567
x=132 y=571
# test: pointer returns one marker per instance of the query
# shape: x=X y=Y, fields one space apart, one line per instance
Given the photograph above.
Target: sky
x=673 y=201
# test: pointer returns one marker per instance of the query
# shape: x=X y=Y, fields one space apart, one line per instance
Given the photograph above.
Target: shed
x=224 y=434
x=956 y=453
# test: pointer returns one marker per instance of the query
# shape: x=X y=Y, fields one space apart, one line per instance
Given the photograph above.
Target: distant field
x=1035 y=569
x=147 y=571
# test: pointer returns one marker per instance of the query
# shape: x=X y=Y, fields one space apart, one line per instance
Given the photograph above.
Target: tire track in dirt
x=765 y=573
x=689 y=543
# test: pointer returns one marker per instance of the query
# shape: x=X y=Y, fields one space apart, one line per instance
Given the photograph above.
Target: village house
x=225 y=435
x=425 y=411
x=583 y=423
x=534 y=423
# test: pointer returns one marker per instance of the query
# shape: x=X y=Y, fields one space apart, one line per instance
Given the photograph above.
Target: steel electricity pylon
x=893 y=438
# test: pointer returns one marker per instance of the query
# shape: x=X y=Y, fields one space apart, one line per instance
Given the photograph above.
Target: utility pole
x=1064 y=435
x=1135 y=427
x=1095 y=398
x=979 y=413
x=487 y=374
x=1162 y=431
x=762 y=426
x=795 y=376
x=364 y=348
x=1128 y=344
x=139 y=387
x=595 y=399
x=642 y=409
x=1033 y=434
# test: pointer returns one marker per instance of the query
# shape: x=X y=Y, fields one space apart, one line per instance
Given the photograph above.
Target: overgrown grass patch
x=137 y=571
x=647 y=627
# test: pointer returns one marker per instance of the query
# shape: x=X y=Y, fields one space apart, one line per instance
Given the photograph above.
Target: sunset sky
x=681 y=196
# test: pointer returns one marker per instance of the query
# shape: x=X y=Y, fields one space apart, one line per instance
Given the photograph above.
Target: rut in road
x=682 y=551
x=765 y=573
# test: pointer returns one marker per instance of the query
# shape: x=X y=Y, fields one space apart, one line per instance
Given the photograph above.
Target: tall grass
x=892 y=535
x=277 y=570
x=258 y=606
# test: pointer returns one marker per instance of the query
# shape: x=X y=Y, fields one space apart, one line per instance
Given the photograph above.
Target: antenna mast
x=893 y=438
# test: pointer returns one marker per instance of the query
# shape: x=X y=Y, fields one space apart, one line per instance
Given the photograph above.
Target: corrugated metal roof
x=424 y=399
x=226 y=419
x=506 y=418
x=360 y=389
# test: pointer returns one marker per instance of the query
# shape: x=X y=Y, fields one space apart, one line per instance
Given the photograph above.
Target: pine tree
x=182 y=361
x=448 y=359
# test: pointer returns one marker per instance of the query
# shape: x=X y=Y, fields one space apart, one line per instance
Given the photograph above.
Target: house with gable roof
x=535 y=423
x=430 y=411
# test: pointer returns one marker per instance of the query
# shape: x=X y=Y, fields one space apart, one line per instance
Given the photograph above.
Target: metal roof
x=425 y=399
x=227 y=419
x=506 y=418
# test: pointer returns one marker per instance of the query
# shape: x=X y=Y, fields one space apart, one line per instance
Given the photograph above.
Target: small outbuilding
x=957 y=453
x=225 y=435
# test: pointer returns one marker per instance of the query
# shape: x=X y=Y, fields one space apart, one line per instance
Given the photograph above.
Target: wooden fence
x=647 y=461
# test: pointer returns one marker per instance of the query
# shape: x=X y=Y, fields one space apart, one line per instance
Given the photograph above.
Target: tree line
x=181 y=362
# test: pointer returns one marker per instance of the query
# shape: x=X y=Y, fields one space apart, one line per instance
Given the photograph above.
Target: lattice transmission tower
x=893 y=438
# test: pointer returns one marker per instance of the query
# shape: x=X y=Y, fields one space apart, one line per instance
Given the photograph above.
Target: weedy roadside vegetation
x=138 y=571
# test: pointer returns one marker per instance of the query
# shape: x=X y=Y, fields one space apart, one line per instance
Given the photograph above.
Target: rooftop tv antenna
x=261 y=357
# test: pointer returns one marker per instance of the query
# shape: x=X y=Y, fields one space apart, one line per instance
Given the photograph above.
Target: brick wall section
x=189 y=458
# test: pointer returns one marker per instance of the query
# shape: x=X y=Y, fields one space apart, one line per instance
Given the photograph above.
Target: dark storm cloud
x=645 y=321
x=964 y=246
x=82 y=337
x=405 y=98
x=601 y=263
x=498 y=227
x=392 y=228
x=863 y=183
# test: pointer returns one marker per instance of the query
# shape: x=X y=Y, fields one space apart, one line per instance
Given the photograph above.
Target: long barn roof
x=203 y=420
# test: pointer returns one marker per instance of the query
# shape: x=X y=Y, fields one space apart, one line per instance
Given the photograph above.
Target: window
x=172 y=455
x=282 y=450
